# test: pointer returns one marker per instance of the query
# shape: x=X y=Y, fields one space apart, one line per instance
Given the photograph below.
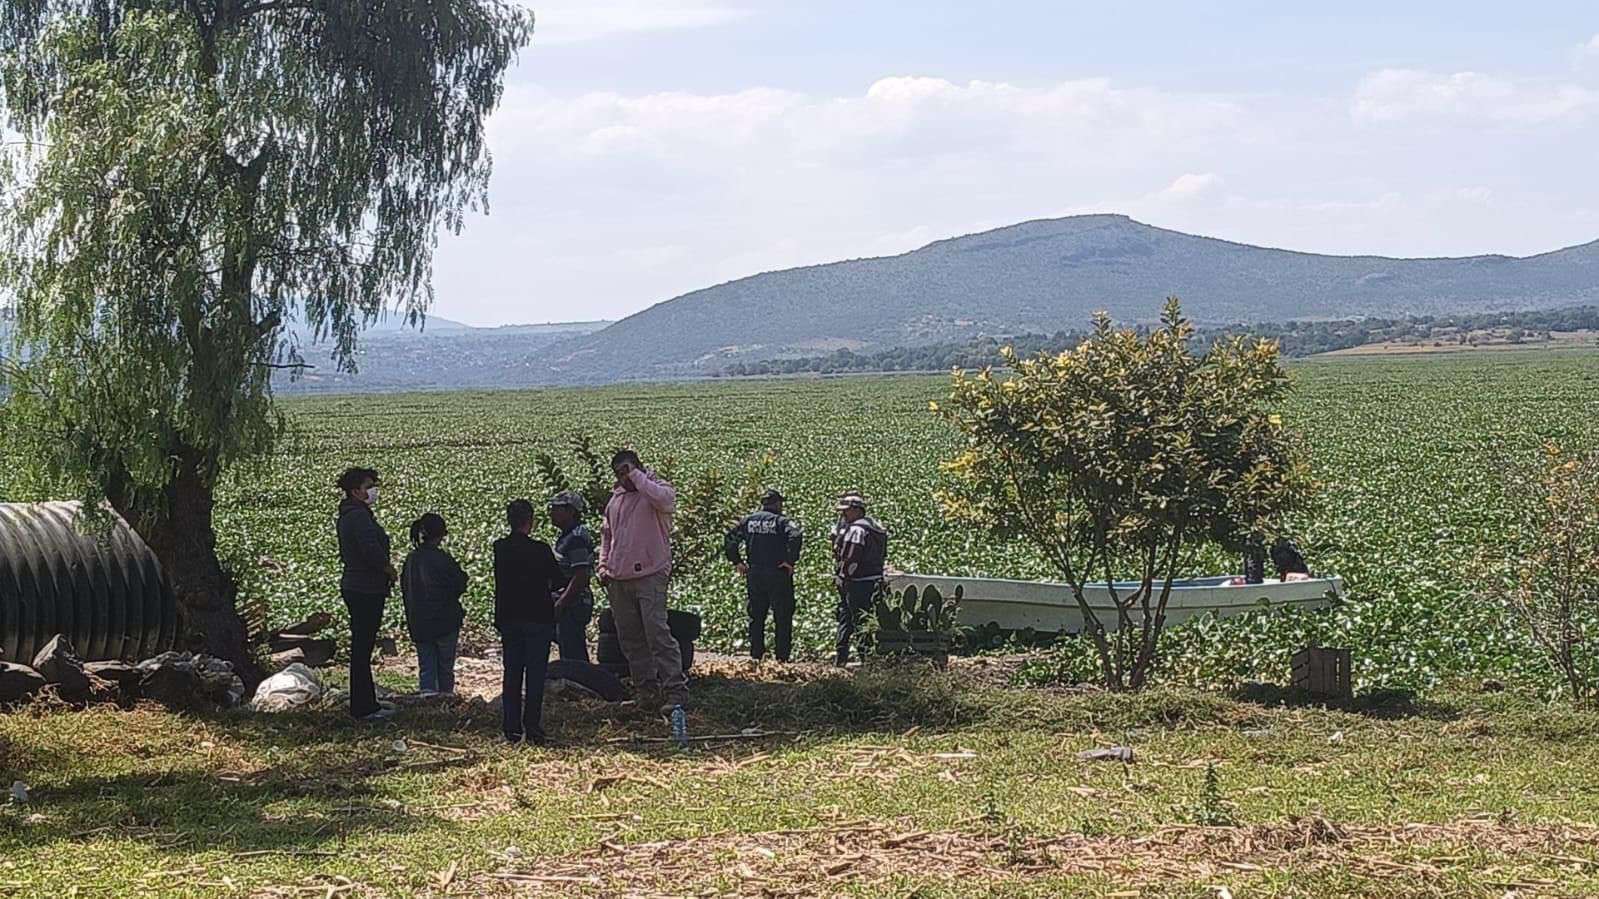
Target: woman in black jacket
x=368 y=575
x=432 y=583
x=526 y=575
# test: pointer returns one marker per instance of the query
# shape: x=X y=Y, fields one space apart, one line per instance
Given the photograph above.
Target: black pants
x=771 y=591
x=527 y=660
x=572 y=631
x=366 y=614
x=854 y=602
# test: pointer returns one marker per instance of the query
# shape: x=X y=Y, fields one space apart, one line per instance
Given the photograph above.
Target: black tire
x=685 y=626
x=608 y=649
x=594 y=677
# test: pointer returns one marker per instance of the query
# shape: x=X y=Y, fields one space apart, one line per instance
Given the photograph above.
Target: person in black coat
x=526 y=573
x=1288 y=560
x=432 y=583
x=1285 y=558
x=369 y=574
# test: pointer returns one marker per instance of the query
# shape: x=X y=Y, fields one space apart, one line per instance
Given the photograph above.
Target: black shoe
x=512 y=739
x=537 y=740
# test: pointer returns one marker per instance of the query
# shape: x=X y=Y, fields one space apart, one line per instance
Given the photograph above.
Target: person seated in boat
x=1289 y=561
x=1285 y=558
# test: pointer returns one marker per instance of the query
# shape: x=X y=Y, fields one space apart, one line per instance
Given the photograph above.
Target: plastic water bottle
x=679 y=727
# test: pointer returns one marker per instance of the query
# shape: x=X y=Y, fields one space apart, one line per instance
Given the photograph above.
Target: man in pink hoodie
x=635 y=566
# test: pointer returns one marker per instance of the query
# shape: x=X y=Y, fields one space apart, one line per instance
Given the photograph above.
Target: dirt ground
x=478 y=675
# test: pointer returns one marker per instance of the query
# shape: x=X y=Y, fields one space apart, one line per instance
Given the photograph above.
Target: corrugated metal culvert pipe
x=104 y=591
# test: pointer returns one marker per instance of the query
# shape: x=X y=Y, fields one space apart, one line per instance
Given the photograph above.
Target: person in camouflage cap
x=574 y=550
x=860 y=550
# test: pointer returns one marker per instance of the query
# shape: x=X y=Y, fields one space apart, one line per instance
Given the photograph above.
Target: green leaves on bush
x=1119 y=458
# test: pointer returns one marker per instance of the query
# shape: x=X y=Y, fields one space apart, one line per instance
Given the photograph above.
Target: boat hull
x=1049 y=607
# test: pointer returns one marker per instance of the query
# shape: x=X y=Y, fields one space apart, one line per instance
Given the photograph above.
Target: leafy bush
x=1549 y=577
x=1122 y=457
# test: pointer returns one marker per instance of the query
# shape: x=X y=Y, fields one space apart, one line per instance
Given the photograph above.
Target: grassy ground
x=894 y=782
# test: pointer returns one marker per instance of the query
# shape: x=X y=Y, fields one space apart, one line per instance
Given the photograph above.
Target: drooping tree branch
x=187 y=139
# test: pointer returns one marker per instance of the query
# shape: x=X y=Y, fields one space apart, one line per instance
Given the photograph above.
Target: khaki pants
x=653 y=657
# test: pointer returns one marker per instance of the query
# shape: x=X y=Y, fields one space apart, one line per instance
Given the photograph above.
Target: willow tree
x=186 y=180
x=1122 y=458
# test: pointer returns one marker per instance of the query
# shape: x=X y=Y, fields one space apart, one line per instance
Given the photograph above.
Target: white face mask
x=372 y=495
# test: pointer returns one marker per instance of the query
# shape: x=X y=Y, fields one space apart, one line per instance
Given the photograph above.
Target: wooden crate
x=1323 y=672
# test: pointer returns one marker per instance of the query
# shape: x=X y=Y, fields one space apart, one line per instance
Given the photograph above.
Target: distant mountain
x=1039 y=277
x=1046 y=276
x=550 y=329
x=443 y=355
x=394 y=325
x=431 y=326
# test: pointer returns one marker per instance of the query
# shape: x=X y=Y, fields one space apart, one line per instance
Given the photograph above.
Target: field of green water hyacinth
x=1410 y=454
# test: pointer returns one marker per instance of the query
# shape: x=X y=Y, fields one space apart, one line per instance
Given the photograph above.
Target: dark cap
x=771 y=495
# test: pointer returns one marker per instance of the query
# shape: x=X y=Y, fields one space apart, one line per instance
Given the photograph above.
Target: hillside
x=1046 y=276
x=1036 y=278
x=444 y=355
x=441 y=355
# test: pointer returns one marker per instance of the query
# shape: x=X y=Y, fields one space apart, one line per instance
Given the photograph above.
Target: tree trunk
x=184 y=540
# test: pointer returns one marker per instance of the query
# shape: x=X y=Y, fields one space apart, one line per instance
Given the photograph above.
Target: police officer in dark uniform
x=774 y=543
x=574 y=550
x=860 y=553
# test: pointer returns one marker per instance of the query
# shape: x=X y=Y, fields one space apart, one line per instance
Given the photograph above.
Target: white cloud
x=1191 y=185
x=595 y=127
x=896 y=118
x=757 y=179
x=1393 y=95
x=571 y=23
x=1593 y=44
x=607 y=202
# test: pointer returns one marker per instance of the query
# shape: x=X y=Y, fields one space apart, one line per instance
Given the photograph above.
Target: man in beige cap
x=860 y=550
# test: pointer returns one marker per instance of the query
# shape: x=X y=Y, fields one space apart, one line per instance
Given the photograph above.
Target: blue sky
x=650 y=147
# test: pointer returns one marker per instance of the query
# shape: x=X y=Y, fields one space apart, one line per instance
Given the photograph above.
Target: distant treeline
x=1297 y=338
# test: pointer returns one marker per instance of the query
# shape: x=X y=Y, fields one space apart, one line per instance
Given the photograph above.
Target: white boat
x=1049 y=607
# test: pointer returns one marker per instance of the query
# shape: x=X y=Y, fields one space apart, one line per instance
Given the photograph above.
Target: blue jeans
x=572 y=631
x=527 y=658
x=435 y=663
